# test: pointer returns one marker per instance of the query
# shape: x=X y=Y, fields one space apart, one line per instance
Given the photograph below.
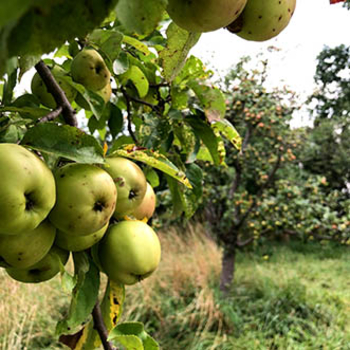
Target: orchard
x=118 y=110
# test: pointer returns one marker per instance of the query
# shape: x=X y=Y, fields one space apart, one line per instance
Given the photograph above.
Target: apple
x=131 y=184
x=48 y=267
x=105 y=93
x=39 y=88
x=89 y=69
x=27 y=191
x=27 y=248
x=77 y=243
x=204 y=15
x=86 y=198
x=147 y=206
x=129 y=252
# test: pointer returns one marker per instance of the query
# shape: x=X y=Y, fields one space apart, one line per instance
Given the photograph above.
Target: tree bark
x=228 y=269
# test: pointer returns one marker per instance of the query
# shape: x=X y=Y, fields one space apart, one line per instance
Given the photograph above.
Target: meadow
x=286 y=295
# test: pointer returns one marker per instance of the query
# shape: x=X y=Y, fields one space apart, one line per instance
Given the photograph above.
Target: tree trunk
x=228 y=269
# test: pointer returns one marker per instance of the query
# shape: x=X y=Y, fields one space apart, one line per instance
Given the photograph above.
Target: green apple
x=105 y=93
x=27 y=248
x=89 y=69
x=263 y=20
x=27 y=191
x=131 y=184
x=77 y=243
x=147 y=206
x=204 y=15
x=39 y=88
x=86 y=198
x=129 y=252
x=47 y=268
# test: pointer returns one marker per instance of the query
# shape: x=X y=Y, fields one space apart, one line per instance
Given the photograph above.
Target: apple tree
x=114 y=109
x=235 y=192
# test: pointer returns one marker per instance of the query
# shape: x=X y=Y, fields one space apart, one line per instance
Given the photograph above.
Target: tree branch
x=241 y=244
x=58 y=94
x=101 y=328
x=51 y=116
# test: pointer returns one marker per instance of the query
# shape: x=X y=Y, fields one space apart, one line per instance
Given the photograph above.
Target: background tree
x=234 y=193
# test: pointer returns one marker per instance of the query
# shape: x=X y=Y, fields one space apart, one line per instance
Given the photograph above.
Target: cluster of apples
x=45 y=215
x=88 y=68
x=254 y=20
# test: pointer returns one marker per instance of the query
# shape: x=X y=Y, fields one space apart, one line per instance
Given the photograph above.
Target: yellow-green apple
x=77 y=243
x=27 y=248
x=86 y=198
x=204 y=15
x=89 y=69
x=27 y=191
x=129 y=252
x=105 y=93
x=131 y=184
x=39 y=88
x=263 y=20
x=45 y=269
x=147 y=206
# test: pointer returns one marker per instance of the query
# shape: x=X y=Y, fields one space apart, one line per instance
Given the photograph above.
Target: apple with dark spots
x=27 y=191
x=86 y=199
x=130 y=182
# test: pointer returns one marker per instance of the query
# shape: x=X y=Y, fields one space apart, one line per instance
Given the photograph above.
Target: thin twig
x=58 y=94
x=241 y=244
x=101 y=327
x=128 y=111
x=51 y=116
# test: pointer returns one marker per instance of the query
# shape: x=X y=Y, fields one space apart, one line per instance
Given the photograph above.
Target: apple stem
x=101 y=327
x=58 y=94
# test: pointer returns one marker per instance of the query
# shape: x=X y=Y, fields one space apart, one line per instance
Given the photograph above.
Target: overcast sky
x=315 y=23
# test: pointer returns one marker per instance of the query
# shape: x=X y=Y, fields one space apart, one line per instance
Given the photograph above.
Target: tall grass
x=284 y=297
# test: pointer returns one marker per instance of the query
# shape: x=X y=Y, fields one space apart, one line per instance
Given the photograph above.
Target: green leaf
x=174 y=55
x=115 y=121
x=108 y=41
x=140 y=16
x=207 y=135
x=31 y=112
x=121 y=64
x=137 y=44
x=111 y=309
x=212 y=100
x=11 y=10
x=229 y=131
x=26 y=62
x=129 y=341
x=43 y=28
x=84 y=296
x=138 y=78
x=126 y=332
x=151 y=176
x=64 y=141
x=153 y=159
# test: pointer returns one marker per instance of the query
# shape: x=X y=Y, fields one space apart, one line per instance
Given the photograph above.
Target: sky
x=314 y=24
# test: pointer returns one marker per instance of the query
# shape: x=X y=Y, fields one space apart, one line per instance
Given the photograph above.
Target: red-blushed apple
x=86 y=198
x=27 y=191
x=147 y=206
x=130 y=182
x=129 y=252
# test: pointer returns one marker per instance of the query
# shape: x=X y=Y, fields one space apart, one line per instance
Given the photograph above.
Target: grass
x=291 y=296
